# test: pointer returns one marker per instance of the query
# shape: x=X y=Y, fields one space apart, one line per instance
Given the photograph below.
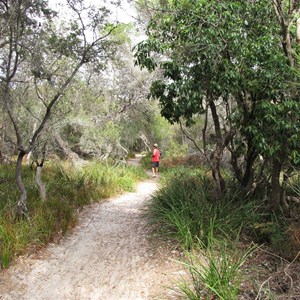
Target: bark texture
x=22 y=203
x=72 y=156
x=38 y=180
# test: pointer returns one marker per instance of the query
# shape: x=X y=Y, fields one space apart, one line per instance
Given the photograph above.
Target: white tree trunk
x=27 y=157
x=41 y=186
x=145 y=141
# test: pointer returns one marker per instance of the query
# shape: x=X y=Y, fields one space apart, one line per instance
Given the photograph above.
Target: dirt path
x=108 y=256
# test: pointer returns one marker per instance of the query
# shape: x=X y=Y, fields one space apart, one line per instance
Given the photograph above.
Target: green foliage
x=186 y=211
x=146 y=161
x=13 y=238
x=281 y=235
x=183 y=210
x=68 y=190
x=236 y=62
x=122 y=32
x=215 y=233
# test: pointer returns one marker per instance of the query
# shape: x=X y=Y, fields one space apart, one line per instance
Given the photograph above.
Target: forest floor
x=107 y=256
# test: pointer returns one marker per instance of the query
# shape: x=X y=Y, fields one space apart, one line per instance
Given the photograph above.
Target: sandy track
x=107 y=256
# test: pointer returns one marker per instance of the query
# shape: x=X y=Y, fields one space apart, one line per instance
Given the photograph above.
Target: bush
x=183 y=208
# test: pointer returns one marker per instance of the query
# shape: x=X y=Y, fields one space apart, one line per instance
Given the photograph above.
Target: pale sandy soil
x=107 y=256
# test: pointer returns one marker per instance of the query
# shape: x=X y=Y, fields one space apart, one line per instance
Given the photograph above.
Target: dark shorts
x=155 y=164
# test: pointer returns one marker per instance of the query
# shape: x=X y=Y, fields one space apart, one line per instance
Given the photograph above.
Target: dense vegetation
x=235 y=64
x=231 y=68
x=234 y=249
x=223 y=90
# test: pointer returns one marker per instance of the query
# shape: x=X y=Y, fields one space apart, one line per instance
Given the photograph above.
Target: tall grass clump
x=185 y=210
x=182 y=210
x=215 y=272
x=69 y=189
x=112 y=180
x=208 y=230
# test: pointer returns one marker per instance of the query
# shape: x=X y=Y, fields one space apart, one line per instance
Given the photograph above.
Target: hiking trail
x=107 y=256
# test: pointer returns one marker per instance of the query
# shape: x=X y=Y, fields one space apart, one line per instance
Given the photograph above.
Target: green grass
x=68 y=191
x=215 y=272
x=185 y=211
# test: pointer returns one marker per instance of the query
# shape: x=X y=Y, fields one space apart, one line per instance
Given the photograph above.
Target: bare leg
x=153 y=172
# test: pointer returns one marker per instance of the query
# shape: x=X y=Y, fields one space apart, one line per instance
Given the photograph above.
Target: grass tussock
x=185 y=210
x=68 y=191
x=215 y=271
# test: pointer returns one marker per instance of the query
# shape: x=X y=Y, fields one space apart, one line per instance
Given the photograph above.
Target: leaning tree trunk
x=28 y=156
x=22 y=202
x=145 y=141
x=72 y=156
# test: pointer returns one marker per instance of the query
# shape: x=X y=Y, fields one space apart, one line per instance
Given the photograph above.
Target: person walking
x=155 y=160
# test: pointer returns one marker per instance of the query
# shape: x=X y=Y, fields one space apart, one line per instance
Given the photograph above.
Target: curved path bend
x=108 y=256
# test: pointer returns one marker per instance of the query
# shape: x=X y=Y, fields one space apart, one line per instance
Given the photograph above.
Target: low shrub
x=185 y=211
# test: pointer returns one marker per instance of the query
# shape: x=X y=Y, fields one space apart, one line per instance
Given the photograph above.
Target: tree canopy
x=231 y=58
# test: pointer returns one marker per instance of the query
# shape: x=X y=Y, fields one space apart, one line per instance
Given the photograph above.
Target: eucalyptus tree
x=32 y=43
x=226 y=56
x=107 y=119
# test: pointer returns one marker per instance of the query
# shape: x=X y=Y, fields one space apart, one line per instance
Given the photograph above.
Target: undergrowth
x=68 y=190
x=211 y=232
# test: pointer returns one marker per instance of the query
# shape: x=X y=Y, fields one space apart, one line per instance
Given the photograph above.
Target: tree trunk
x=284 y=20
x=22 y=203
x=28 y=156
x=275 y=196
x=248 y=174
x=236 y=168
x=145 y=141
x=298 y=32
x=217 y=153
x=38 y=180
x=219 y=181
x=72 y=156
x=216 y=156
x=283 y=202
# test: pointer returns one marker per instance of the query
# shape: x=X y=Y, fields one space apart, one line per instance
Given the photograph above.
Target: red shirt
x=155 y=155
